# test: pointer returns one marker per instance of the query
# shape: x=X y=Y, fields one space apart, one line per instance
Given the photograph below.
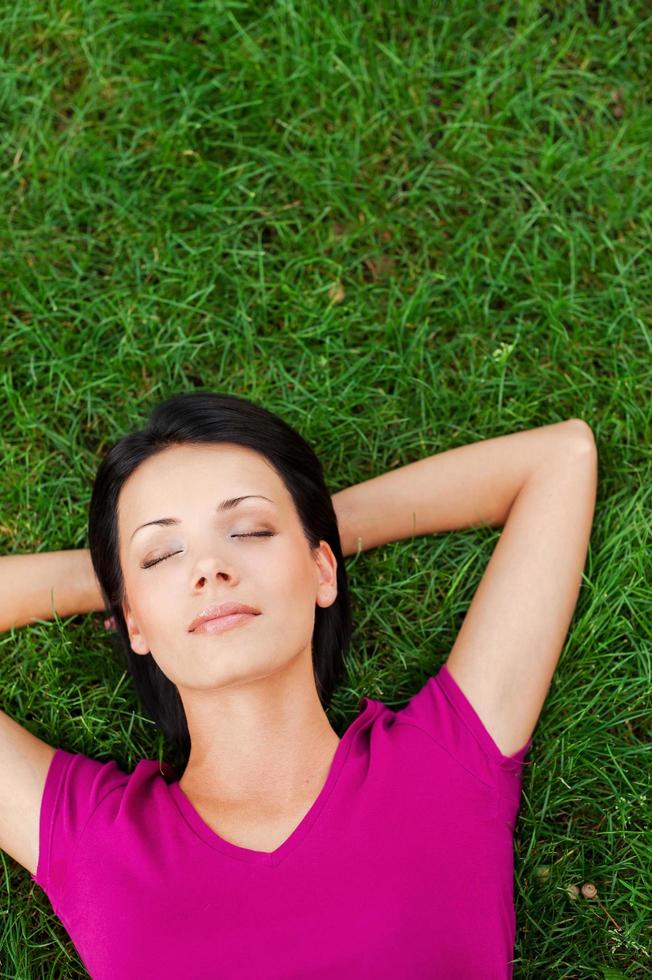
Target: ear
x=326 y=575
x=137 y=640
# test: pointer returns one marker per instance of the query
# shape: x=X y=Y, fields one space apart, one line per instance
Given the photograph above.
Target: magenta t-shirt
x=402 y=868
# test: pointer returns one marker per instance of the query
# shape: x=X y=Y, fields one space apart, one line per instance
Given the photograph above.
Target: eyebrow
x=228 y=504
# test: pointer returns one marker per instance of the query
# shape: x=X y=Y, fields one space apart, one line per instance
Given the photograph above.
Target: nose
x=210 y=568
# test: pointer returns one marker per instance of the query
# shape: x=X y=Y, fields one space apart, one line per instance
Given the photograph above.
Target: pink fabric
x=403 y=868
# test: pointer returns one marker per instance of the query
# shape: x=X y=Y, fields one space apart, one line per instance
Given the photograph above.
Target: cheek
x=299 y=596
x=299 y=581
x=161 y=613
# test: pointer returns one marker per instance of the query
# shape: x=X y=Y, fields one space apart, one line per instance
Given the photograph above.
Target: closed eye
x=254 y=534
x=250 y=534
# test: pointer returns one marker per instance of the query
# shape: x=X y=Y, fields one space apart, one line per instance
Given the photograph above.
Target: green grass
x=403 y=227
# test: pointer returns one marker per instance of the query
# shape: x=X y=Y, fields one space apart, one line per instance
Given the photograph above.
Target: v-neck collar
x=272 y=858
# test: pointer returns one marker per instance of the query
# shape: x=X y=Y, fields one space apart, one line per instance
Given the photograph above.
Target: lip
x=223 y=623
x=218 y=611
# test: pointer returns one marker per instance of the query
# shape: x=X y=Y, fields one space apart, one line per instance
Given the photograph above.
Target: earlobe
x=138 y=645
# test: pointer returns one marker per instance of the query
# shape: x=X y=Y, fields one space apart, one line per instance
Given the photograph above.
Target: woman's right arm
x=32 y=584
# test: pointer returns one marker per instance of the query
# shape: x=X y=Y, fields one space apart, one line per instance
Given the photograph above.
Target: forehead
x=184 y=477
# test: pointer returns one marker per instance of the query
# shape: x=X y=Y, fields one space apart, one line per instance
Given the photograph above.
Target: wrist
x=90 y=593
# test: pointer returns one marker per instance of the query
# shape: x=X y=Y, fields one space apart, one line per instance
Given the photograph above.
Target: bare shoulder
x=24 y=764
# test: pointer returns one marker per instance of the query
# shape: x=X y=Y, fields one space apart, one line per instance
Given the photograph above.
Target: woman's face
x=210 y=562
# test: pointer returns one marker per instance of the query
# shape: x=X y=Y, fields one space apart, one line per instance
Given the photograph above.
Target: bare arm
x=35 y=586
x=470 y=485
x=541 y=484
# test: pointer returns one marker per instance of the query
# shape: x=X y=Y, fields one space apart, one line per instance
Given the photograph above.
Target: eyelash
x=251 y=534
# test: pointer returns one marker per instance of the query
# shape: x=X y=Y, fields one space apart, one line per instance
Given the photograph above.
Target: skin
x=261 y=740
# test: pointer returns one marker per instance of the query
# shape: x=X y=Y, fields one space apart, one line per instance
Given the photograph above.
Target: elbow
x=582 y=435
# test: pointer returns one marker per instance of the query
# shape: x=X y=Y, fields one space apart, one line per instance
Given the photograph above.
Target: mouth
x=221 y=623
x=224 y=610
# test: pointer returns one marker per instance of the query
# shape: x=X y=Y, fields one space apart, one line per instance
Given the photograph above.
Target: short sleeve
x=74 y=788
x=443 y=711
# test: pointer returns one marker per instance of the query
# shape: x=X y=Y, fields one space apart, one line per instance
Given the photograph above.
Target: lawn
x=403 y=227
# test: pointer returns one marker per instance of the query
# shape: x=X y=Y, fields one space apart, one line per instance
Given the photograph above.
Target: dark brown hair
x=207 y=417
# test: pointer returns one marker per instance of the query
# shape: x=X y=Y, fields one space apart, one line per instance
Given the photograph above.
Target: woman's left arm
x=541 y=484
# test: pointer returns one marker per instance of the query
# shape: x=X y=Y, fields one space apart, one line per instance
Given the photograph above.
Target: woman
x=278 y=849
